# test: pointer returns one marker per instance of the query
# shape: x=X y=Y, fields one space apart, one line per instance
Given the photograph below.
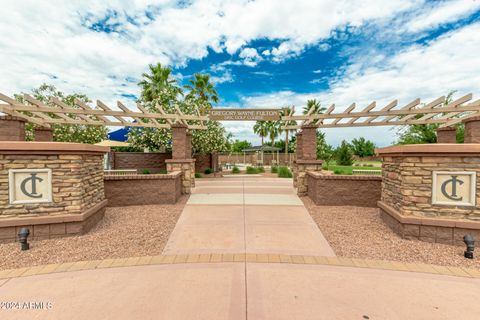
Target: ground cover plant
x=235 y=169
x=284 y=172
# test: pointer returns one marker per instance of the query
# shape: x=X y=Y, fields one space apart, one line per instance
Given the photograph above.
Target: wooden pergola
x=414 y=112
x=58 y=112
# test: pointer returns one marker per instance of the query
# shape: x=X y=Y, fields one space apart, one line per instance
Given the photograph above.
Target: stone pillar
x=187 y=167
x=43 y=134
x=12 y=128
x=179 y=141
x=306 y=158
x=182 y=157
x=472 y=130
x=447 y=135
x=430 y=191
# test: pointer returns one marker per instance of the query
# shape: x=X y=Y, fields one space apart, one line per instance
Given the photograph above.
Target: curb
x=241 y=257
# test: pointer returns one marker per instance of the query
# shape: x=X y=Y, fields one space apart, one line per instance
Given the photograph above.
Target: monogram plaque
x=30 y=186
x=454 y=188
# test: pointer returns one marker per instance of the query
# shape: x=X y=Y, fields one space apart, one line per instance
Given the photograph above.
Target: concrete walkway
x=246 y=215
x=236 y=253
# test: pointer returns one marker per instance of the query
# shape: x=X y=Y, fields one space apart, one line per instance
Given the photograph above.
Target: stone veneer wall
x=143 y=189
x=300 y=170
x=406 y=205
x=77 y=188
x=333 y=190
x=187 y=168
x=407 y=185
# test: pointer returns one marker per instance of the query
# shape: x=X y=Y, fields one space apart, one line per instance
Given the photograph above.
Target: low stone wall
x=143 y=189
x=360 y=191
x=76 y=196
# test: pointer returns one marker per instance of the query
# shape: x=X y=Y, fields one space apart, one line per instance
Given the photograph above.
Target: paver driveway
x=226 y=218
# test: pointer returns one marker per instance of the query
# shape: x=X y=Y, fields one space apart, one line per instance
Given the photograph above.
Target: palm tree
x=261 y=129
x=273 y=129
x=156 y=82
x=202 y=88
x=285 y=112
x=317 y=107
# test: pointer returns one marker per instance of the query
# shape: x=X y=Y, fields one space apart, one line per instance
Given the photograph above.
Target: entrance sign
x=29 y=186
x=454 y=188
x=244 y=114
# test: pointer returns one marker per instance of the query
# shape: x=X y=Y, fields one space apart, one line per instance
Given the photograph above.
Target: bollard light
x=470 y=243
x=23 y=236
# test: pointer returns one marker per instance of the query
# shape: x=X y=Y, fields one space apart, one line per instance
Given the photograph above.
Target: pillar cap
x=477 y=118
x=8 y=117
x=447 y=129
x=178 y=125
x=43 y=129
x=309 y=126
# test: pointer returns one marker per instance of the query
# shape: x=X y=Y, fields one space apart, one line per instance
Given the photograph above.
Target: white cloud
x=444 y=12
x=250 y=57
x=425 y=72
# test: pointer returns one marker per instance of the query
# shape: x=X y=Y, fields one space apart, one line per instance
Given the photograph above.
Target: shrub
x=252 y=170
x=284 y=172
x=208 y=171
x=274 y=169
x=344 y=154
x=235 y=169
x=163 y=171
x=146 y=171
x=260 y=169
x=337 y=171
x=197 y=175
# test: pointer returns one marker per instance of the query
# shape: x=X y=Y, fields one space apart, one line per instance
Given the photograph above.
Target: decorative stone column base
x=187 y=167
x=300 y=169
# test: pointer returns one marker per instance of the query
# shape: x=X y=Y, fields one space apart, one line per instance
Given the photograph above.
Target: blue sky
x=262 y=53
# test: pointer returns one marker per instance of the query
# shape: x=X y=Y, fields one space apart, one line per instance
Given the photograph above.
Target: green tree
x=66 y=132
x=273 y=129
x=344 y=154
x=201 y=88
x=261 y=128
x=362 y=147
x=158 y=89
x=238 y=146
x=317 y=107
x=324 y=150
x=425 y=133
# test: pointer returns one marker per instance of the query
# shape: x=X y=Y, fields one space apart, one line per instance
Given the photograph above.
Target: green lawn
x=360 y=165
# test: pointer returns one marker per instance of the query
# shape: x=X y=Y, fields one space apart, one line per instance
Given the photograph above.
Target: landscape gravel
x=356 y=232
x=124 y=232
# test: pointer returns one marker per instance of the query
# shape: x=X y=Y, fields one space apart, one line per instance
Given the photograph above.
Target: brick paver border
x=241 y=257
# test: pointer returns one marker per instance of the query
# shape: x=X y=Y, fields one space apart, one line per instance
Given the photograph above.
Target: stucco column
x=472 y=130
x=179 y=141
x=43 y=134
x=447 y=135
x=12 y=128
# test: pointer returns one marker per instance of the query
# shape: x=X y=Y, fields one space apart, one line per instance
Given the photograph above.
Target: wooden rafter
x=434 y=112
x=58 y=112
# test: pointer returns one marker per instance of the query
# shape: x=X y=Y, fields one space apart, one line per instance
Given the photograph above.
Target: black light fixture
x=470 y=243
x=23 y=237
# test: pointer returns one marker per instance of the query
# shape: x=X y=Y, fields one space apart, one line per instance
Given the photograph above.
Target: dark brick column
x=43 y=134
x=472 y=130
x=188 y=146
x=179 y=141
x=309 y=142
x=447 y=135
x=299 y=145
x=12 y=128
